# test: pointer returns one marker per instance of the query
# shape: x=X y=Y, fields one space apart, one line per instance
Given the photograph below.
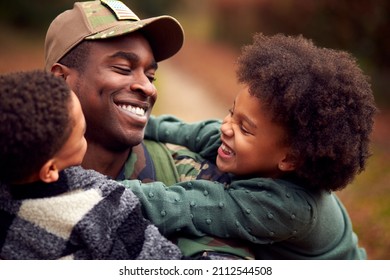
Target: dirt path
x=185 y=97
x=198 y=83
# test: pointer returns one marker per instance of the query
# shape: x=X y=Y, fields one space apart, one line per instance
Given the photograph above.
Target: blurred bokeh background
x=199 y=82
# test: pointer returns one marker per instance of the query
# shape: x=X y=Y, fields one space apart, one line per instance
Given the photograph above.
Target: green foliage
x=36 y=15
x=31 y=15
x=367 y=200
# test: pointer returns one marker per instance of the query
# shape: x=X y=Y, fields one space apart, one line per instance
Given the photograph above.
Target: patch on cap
x=120 y=10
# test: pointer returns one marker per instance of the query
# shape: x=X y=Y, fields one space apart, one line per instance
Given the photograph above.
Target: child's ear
x=288 y=163
x=49 y=172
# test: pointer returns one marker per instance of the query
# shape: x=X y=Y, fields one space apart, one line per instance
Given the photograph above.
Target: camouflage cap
x=98 y=20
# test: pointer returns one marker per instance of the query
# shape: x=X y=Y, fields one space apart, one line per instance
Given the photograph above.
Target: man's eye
x=122 y=69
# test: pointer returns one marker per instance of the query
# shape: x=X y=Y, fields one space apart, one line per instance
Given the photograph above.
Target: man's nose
x=143 y=85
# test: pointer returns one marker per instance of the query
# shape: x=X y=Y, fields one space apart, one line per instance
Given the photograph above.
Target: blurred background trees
x=359 y=26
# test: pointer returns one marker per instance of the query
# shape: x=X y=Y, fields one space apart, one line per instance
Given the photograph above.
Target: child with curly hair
x=298 y=131
x=51 y=208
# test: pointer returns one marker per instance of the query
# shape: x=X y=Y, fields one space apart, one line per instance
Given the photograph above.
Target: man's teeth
x=226 y=150
x=135 y=110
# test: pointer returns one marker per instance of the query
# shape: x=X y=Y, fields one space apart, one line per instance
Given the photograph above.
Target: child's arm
x=257 y=210
x=200 y=137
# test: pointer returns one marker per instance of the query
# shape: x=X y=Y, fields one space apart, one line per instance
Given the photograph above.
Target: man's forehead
x=131 y=47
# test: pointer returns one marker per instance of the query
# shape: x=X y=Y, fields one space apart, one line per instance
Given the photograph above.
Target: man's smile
x=133 y=109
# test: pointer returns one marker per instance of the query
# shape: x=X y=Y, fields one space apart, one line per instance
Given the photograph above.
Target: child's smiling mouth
x=225 y=151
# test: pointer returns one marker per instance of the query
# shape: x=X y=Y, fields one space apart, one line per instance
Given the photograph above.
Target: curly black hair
x=323 y=100
x=34 y=121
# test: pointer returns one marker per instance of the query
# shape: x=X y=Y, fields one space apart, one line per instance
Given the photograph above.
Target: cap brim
x=164 y=34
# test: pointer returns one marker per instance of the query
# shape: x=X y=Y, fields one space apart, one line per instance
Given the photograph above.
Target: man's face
x=116 y=91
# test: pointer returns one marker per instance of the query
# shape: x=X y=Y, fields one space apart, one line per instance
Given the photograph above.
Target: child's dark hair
x=34 y=121
x=323 y=100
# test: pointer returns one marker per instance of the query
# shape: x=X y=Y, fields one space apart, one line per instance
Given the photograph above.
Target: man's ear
x=288 y=163
x=60 y=70
x=49 y=172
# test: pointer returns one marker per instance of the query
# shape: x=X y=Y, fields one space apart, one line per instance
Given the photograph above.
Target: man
x=109 y=58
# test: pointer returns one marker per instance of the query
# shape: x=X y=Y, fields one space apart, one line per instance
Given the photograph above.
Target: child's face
x=251 y=143
x=72 y=153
